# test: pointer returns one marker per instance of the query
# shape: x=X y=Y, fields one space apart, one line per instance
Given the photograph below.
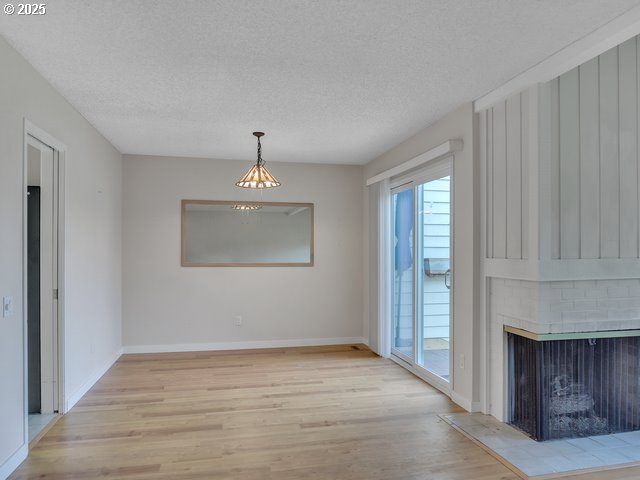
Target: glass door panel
x=433 y=282
x=403 y=274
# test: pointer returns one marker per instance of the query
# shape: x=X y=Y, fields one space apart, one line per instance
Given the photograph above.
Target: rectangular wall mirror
x=217 y=233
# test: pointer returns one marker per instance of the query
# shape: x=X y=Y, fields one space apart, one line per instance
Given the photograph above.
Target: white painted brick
x=583 y=304
x=512 y=322
x=608 y=303
x=634 y=291
x=596 y=316
x=617 y=292
x=561 y=327
x=561 y=306
x=606 y=325
x=564 y=284
x=608 y=283
x=514 y=291
x=625 y=314
x=599 y=292
x=529 y=303
x=573 y=292
x=550 y=317
x=585 y=284
x=629 y=302
x=551 y=294
x=574 y=316
x=584 y=327
x=512 y=303
x=544 y=327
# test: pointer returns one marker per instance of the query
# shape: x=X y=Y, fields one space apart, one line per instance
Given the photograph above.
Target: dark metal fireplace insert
x=574 y=387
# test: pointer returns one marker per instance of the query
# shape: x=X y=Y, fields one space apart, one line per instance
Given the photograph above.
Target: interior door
x=42 y=174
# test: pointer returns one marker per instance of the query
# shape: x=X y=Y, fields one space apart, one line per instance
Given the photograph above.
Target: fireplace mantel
x=545 y=337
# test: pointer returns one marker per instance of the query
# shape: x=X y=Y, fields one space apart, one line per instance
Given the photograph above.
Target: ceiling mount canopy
x=258 y=176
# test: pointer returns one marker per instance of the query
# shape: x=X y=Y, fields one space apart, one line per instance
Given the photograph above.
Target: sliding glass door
x=403 y=215
x=434 y=278
x=421 y=267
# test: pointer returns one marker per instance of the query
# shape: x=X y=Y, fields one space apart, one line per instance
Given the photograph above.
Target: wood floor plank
x=313 y=413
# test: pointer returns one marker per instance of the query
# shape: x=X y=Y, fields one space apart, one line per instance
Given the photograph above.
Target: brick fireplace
x=565 y=356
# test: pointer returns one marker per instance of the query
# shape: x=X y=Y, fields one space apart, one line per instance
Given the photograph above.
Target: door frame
x=431 y=171
x=59 y=158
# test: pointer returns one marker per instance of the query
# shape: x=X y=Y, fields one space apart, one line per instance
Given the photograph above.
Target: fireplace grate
x=574 y=388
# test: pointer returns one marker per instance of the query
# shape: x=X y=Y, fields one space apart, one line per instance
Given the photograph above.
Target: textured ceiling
x=329 y=81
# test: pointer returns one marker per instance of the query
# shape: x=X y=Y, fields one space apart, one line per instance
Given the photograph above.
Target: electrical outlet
x=7 y=306
x=238 y=320
x=461 y=361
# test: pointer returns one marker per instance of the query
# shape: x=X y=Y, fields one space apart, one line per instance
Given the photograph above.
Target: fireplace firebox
x=573 y=387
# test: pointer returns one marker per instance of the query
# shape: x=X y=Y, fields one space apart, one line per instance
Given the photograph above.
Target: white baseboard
x=13 y=461
x=465 y=403
x=72 y=399
x=200 y=347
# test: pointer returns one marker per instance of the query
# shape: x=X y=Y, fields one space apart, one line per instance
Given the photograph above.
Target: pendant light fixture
x=258 y=176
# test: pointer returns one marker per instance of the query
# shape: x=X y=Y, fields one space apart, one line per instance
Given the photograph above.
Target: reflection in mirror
x=234 y=233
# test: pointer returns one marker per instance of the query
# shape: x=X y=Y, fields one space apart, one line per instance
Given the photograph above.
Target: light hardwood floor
x=305 y=413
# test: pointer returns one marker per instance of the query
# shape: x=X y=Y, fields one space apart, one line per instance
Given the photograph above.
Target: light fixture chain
x=260 y=161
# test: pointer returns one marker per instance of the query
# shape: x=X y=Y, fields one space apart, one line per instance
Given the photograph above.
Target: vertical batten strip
x=499 y=182
x=513 y=179
x=554 y=159
x=525 y=166
x=627 y=147
x=637 y=203
x=490 y=192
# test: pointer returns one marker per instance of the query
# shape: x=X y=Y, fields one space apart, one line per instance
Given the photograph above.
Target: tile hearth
x=533 y=458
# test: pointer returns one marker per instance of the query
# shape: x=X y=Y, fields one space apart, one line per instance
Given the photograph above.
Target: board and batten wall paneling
x=587 y=164
x=504 y=153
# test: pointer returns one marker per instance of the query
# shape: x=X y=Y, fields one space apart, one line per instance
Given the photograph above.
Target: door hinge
x=55 y=293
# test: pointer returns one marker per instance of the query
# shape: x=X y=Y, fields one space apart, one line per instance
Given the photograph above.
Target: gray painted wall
x=166 y=304
x=93 y=239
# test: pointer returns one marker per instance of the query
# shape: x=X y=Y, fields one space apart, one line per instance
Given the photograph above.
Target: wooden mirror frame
x=183 y=258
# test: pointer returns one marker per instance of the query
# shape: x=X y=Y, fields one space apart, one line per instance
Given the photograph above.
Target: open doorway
x=42 y=244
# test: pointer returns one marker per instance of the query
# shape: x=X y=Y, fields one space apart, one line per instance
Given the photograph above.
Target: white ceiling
x=329 y=81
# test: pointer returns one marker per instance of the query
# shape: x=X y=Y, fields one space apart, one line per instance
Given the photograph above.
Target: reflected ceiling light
x=258 y=176
x=246 y=206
